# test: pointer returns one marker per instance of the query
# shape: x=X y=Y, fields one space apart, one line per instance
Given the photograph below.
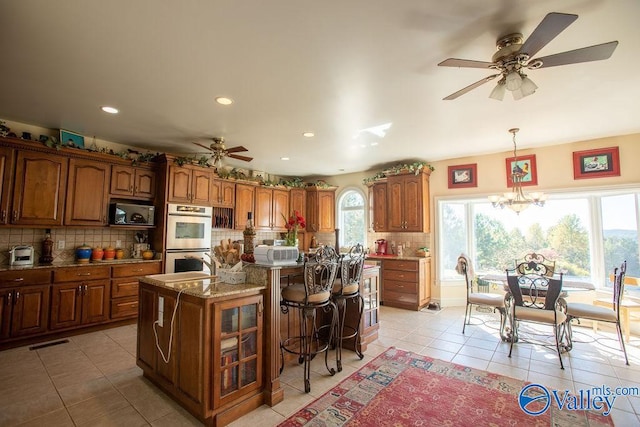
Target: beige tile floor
x=93 y=380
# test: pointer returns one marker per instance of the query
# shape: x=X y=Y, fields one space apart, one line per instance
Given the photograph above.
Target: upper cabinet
x=39 y=189
x=408 y=202
x=134 y=182
x=223 y=193
x=270 y=206
x=379 y=208
x=298 y=201
x=190 y=185
x=245 y=194
x=87 y=192
x=7 y=165
x=321 y=210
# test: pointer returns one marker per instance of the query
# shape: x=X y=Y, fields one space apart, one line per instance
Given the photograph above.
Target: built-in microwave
x=131 y=214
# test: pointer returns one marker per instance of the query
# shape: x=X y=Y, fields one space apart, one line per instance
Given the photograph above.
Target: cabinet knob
x=17 y=296
x=15 y=216
x=79 y=289
x=9 y=298
x=131 y=188
x=3 y=215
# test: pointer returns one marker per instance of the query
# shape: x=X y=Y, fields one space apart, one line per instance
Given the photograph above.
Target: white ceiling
x=331 y=67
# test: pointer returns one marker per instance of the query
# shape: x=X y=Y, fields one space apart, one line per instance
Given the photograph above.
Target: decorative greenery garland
x=415 y=167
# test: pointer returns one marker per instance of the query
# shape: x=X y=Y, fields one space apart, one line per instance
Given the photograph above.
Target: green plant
x=181 y=161
x=53 y=142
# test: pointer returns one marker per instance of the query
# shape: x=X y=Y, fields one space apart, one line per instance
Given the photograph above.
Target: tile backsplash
x=72 y=237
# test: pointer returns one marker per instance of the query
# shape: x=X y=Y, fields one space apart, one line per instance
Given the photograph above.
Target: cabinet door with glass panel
x=238 y=349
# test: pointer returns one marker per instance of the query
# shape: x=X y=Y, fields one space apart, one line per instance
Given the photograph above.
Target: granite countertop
x=6 y=267
x=404 y=257
x=210 y=287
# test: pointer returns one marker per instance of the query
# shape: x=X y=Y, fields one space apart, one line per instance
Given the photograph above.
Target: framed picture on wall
x=71 y=139
x=462 y=176
x=596 y=163
x=525 y=165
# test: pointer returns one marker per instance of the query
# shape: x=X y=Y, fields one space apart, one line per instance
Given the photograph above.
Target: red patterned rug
x=400 y=388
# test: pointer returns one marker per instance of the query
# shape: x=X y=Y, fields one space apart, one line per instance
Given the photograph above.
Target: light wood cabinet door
x=408 y=203
x=244 y=204
x=7 y=165
x=379 y=209
x=132 y=182
x=298 y=201
x=145 y=184
x=87 y=193
x=223 y=193
x=395 y=218
x=40 y=189
x=327 y=211
x=263 y=208
x=201 y=187
x=312 y=211
x=280 y=207
x=179 y=185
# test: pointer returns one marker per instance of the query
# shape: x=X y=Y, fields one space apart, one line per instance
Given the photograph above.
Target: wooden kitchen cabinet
x=237 y=348
x=39 y=189
x=134 y=182
x=24 y=302
x=80 y=296
x=87 y=193
x=298 y=201
x=379 y=208
x=321 y=207
x=124 y=288
x=190 y=184
x=223 y=193
x=270 y=205
x=245 y=194
x=406 y=283
x=408 y=202
x=7 y=166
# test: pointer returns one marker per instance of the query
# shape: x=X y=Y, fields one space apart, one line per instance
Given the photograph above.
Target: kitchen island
x=221 y=358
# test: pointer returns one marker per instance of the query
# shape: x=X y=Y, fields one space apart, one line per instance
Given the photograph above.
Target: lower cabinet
x=24 y=303
x=124 y=288
x=406 y=283
x=214 y=367
x=80 y=296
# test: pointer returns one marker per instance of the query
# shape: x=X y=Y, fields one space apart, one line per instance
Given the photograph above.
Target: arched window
x=351 y=218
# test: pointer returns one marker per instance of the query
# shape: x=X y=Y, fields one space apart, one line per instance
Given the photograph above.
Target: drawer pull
x=137 y=270
x=84 y=274
x=19 y=279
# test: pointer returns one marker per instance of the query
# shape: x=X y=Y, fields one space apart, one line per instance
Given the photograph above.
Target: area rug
x=400 y=388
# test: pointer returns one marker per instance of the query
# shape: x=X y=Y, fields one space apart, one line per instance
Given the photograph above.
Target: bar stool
x=307 y=298
x=348 y=288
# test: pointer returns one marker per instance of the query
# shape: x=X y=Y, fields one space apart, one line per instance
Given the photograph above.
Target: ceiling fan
x=220 y=151
x=513 y=58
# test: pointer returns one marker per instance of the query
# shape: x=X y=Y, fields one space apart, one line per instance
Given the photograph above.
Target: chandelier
x=516 y=200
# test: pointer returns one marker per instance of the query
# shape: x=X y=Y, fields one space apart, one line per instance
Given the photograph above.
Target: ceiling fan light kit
x=219 y=151
x=513 y=57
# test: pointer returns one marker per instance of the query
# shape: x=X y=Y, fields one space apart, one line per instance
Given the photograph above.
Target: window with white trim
x=351 y=218
x=586 y=233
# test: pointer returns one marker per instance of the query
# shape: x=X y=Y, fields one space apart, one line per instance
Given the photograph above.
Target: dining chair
x=576 y=310
x=345 y=289
x=479 y=299
x=307 y=299
x=534 y=263
x=627 y=306
x=534 y=298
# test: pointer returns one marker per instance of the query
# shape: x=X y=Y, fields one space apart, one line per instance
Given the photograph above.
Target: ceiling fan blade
x=467 y=63
x=239 y=157
x=236 y=149
x=470 y=87
x=203 y=146
x=585 y=54
x=552 y=25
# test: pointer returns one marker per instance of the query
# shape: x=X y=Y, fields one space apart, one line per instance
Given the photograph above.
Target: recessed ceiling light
x=110 y=110
x=224 y=101
x=308 y=134
x=284 y=158
x=373 y=144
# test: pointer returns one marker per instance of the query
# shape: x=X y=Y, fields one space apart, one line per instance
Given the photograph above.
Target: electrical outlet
x=161 y=311
x=60 y=244
x=118 y=243
x=407 y=244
